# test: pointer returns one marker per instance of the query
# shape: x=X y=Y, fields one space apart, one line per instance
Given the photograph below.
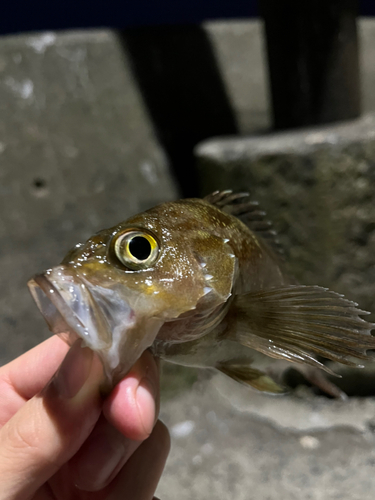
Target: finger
x=101 y=457
x=141 y=474
x=29 y=373
x=24 y=377
x=50 y=428
x=145 y=466
x=133 y=405
x=106 y=450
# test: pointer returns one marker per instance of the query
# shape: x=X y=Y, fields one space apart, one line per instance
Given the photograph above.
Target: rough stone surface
x=77 y=154
x=241 y=56
x=228 y=442
x=317 y=186
x=367 y=54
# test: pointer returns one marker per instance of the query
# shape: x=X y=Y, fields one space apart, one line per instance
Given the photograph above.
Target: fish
x=201 y=283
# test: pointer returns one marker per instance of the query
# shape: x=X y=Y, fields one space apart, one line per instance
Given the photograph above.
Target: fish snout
x=73 y=307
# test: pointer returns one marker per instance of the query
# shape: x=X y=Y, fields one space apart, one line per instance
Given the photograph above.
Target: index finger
x=30 y=372
x=26 y=376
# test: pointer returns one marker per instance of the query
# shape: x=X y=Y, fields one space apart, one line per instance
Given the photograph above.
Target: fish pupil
x=140 y=247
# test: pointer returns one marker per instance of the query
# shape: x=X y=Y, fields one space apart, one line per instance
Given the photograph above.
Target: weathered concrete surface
x=241 y=56
x=317 y=186
x=77 y=154
x=228 y=442
x=367 y=55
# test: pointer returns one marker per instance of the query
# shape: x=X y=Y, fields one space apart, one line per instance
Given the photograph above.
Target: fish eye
x=136 y=249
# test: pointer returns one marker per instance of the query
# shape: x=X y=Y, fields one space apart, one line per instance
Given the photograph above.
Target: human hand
x=59 y=440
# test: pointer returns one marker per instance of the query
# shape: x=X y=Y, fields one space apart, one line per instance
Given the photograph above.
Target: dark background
x=26 y=15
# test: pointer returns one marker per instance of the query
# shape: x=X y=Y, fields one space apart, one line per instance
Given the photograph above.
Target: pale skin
x=60 y=440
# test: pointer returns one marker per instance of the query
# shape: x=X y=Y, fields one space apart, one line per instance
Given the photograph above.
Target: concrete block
x=241 y=57
x=317 y=186
x=77 y=154
x=240 y=51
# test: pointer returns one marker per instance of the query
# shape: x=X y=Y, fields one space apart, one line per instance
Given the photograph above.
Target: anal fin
x=247 y=375
x=319 y=379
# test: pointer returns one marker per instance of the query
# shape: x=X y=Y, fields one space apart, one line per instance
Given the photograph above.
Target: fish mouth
x=68 y=307
x=73 y=307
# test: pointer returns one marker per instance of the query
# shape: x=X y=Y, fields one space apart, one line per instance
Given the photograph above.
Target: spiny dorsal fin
x=298 y=323
x=248 y=212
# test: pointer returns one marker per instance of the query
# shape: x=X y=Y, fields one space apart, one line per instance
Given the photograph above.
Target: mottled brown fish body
x=201 y=283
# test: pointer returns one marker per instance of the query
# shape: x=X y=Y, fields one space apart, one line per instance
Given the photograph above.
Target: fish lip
x=65 y=300
x=54 y=308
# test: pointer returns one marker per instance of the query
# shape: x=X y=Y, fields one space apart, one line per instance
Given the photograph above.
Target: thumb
x=50 y=428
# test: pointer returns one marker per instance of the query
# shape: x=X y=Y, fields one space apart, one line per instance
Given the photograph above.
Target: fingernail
x=73 y=371
x=101 y=457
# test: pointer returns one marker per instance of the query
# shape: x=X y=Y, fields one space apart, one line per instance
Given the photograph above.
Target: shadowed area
x=181 y=85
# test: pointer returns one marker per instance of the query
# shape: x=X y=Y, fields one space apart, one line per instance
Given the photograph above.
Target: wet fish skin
x=215 y=296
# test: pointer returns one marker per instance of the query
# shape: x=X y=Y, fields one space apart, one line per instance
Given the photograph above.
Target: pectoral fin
x=298 y=323
x=250 y=376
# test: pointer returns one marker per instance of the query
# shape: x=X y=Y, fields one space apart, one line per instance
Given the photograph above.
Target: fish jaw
x=102 y=317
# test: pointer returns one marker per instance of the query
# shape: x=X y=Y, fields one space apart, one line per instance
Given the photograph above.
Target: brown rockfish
x=200 y=283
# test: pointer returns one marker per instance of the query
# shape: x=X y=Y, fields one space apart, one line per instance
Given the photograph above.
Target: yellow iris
x=136 y=249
